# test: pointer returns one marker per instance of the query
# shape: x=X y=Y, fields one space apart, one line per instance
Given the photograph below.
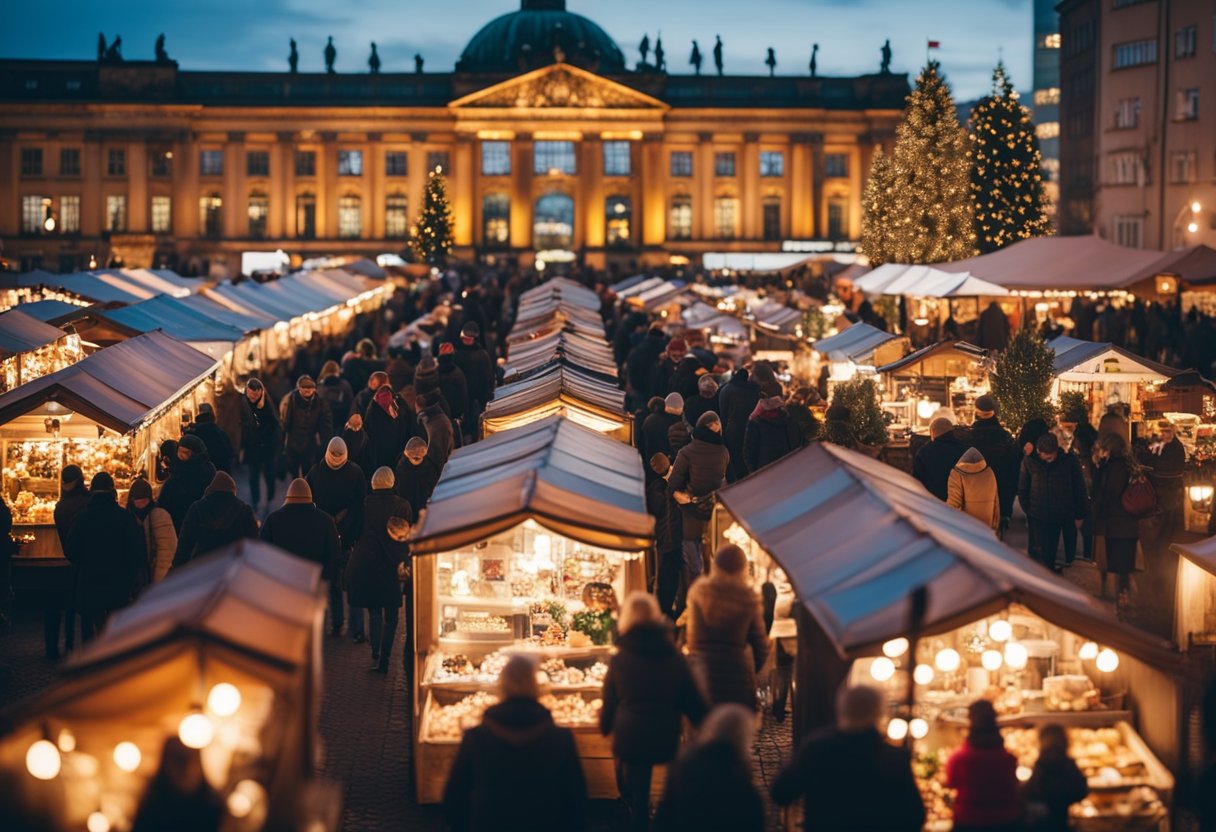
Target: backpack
x=1139 y=498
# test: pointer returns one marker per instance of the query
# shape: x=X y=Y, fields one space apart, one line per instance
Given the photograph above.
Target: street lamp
x=48 y=222
x=1192 y=227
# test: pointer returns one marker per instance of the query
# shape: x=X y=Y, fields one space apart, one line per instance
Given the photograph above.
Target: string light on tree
x=432 y=237
x=1006 y=170
x=876 y=198
x=1021 y=380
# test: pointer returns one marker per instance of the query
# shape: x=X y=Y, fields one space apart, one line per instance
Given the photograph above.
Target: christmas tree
x=1021 y=380
x=876 y=241
x=432 y=237
x=1006 y=176
x=929 y=211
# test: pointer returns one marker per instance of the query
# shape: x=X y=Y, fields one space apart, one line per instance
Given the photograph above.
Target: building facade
x=1138 y=116
x=548 y=141
x=1046 y=95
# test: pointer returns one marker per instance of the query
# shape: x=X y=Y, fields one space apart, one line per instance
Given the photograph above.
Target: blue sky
x=253 y=34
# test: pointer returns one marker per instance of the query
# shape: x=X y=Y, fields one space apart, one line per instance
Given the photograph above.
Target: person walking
x=647 y=690
x=219 y=446
x=1165 y=461
x=770 y=433
x=1055 y=783
x=799 y=408
x=365 y=395
x=416 y=475
x=1115 y=526
x=303 y=529
x=478 y=367
x=515 y=761
x=260 y=440
x=737 y=399
x=216 y=520
x=306 y=424
x=73 y=497
x=106 y=545
x=188 y=479
x=664 y=412
x=640 y=367
x=1003 y=458
x=710 y=786
x=336 y=392
x=387 y=425
x=454 y=386
x=984 y=777
x=839 y=772
x=178 y=796
x=727 y=641
x=1051 y=489
x=440 y=435
x=935 y=461
x=372 y=578
x=973 y=489
x=661 y=373
x=705 y=401
x=699 y=470
x=337 y=487
x=668 y=534
x=160 y=538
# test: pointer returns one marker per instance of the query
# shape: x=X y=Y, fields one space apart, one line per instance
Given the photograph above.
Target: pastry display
x=1071 y=693
x=446 y=723
x=481 y=623
x=458 y=668
x=32 y=469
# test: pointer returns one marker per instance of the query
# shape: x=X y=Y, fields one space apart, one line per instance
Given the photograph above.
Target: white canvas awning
x=925 y=282
x=857 y=342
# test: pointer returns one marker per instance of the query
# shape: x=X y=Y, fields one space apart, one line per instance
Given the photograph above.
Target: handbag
x=1139 y=498
x=701 y=508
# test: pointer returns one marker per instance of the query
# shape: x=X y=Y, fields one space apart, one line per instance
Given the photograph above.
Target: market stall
x=934 y=297
x=588 y=352
x=225 y=654
x=108 y=412
x=30 y=349
x=1195 y=596
x=947 y=374
x=993 y=624
x=859 y=348
x=1106 y=375
x=530 y=541
x=1188 y=402
x=587 y=400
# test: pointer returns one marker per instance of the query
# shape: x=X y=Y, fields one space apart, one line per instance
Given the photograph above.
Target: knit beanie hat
x=222 y=481
x=660 y=464
x=674 y=403
x=708 y=419
x=940 y=427
x=194 y=444
x=730 y=559
x=335 y=453
x=298 y=492
x=206 y=413
x=426 y=377
x=304 y=382
x=707 y=385
x=140 y=490
x=71 y=474
x=677 y=348
x=985 y=407
x=102 y=482
x=383 y=478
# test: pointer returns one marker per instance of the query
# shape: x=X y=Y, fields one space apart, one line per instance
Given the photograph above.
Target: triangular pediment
x=559 y=86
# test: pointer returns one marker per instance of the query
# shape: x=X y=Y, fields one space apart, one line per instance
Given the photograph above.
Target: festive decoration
x=876 y=239
x=431 y=239
x=1006 y=174
x=1021 y=380
x=867 y=424
x=929 y=212
x=1073 y=407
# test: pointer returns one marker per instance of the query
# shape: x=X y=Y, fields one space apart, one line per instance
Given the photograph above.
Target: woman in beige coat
x=159 y=535
x=972 y=488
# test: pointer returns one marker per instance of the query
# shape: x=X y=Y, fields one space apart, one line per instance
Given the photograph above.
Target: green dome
x=526 y=39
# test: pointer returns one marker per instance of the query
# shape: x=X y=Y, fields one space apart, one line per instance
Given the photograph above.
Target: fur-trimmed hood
x=723 y=598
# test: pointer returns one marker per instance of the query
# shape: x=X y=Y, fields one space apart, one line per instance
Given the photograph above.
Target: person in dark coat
x=307 y=423
x=661 y=373
x=371 y=574
x=260 y=440
x=1055 y=783
x=679 y=433
x=839 y=772
x=727 y=642
x=705 y=400
x=770 y=433
x=686 y=376
x=994 y=328
x=629 y=332
x=454 y=386
x=216 y=520
x=357 y=443
x=303 y=529
x=219 y=446
x=647 y=690
x=736 y=401
x=179 y=796
x=73 y=497
x=710 y=786
x=106 y=546
x=699 y=470
x=188 y=479
x=388 y=426
x=515 y=762
x=1165 y=461
x=799 y=409
x=416 y=475
x=668 y=534
x=935 y=461
x=338 y=486
x=336 y=392
x=663 y=414
x=1028 y=438
x=640 y=367
x=1118 y=528
x=996 y=444
x=357 y=368
x=478 y=367
x=364 y=397
x=1051 y=489
x=440 y=437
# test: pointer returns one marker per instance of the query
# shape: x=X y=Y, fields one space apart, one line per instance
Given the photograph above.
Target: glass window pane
x=306 y=163
x=257 y=163
x=724 y=164
x=772 y=218
x=396 y=217
x=350 y=163
x=679 y=226
x=496 y=219
x=681 y=163
x=259 y=210
x=211 y=163
x=162 y=215
x=395 y=163
x=437 y=159
x=69 y=161
x=116 y=162
x=69 y=214
x=836 y=164
x=33 y=213
x=350 y=217
x=306 y=216
x=495 y=158
x=618 y=216
x=554 y=157
x=726 y=213
x=209 y=214
x=772 y=163
x=31 y=161
x=116 y=213
x=616 y=158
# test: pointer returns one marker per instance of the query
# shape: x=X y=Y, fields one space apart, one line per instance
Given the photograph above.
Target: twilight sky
x=253 y=34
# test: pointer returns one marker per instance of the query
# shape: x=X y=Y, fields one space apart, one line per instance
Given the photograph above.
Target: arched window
x=496 y=219
x=396 y=216
x=679 y=221
x=210 y=209
x=259 y=210
x=726 y=217
x=772 y=217
x=350 y=216
x=553 y=224
x=618 y=216
x=306 y=217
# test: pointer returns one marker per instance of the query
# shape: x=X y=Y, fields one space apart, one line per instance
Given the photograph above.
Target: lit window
x=679 y=223
x=1051 y=95
x=69 y=214
x=1051 y=41
x=31 y=161
x=496 y=219
x=395 y=163
x=396 y=218
x=1127 y=113
x=616 y=159
x=681 y=163
x=1126 y=169
x=257 y=163
x=495 y=158
x=259 y=210
x=1186 y=104
x=211 y=163
x=726 y=216
x=116 y=213
x=554 y=157
x=617 y=216
x=1047 y=130
x=350 y=163
x=1182 y=166
x=162 y=215
x=772 y=163
x=350 y=217
x=33 y=214
x=210 y=209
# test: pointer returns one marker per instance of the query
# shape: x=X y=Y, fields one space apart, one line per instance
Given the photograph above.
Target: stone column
x=137 y=188
x=521 y=191
x=282 y=221
x=328 y=189
x=819 y=226
x=802 y=213
x=415 y=182
x=373 y=194
x=589 y=195
x=749 y=187
x=462 y=180
x=235 y=213
x=703 y=189
x=654 y=186
x=92 y=199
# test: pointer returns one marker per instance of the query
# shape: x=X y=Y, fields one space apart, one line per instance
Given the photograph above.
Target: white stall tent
x=925 y=282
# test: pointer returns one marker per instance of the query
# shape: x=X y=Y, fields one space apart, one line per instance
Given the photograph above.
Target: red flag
x=935 y=44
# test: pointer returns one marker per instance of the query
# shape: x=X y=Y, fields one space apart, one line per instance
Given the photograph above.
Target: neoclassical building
x=548 y=140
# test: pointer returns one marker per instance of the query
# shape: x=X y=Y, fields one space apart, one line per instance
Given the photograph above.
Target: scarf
x=387 y=401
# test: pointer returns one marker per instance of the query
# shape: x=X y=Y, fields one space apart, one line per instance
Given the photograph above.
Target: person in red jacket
x=984 y=777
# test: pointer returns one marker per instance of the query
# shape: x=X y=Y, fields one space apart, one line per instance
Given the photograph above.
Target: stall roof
x=101 y=288
x=1059 y=263
x=961 y=347
x=761 y=261
x=633 y=287
x=1195 y=266
x=183 y=322
x=626 y=284
x=701 y=315
x=769 y=314
x=569 y=479
x=658 y=295
x=56 y=312
x=539 y=312
x=20 y=333
x=248 y=322
x=925 y=282
x=119 y=386
x=157 y=281
x=551 y=385
x=1202 y=553
x=858 y=341
x=587 y=352
x=1077 y=360
x=878 y=535
x=1189 y=378
x=565 y=289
